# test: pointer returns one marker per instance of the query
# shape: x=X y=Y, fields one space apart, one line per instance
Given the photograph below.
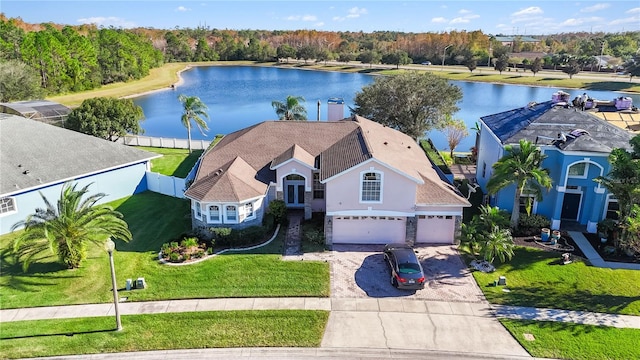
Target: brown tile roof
x=339 y=146
x=294 y=152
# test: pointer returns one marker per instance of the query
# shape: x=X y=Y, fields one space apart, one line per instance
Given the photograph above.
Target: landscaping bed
x=529 y=241
x=615 y=256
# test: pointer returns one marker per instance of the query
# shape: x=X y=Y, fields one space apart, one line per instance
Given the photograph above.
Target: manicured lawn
x=174 y=162
x=573 y=341
x=227 y=329
x=155 y=219
x=536 y=279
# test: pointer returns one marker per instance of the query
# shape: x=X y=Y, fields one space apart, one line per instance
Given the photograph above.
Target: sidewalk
x=380 y=305
x=593 y=256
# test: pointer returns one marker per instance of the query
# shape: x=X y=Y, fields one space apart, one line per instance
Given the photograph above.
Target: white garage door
x=368 y=229
x=435 y=229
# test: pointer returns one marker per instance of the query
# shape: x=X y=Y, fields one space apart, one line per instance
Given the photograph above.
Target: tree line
x=51 y=59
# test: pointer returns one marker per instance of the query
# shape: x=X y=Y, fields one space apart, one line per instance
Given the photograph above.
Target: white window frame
x=581 y=176
x=227 y=220
x=362 y=182
x=11 y=208
x=318 y=186
x=197 y=210
x=211 y=219
x=534 y=206
x=610 y=199
x=246 y=215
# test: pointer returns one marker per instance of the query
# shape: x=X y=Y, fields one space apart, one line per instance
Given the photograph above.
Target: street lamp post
x=444 y=53
x=110 y=246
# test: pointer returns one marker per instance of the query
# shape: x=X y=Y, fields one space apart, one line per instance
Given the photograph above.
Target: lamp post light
x=110 y=246
x=444 y=53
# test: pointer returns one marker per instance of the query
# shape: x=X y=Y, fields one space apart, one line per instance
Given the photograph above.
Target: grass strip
x=536 y=278
x=574 y=341
x=193 y=330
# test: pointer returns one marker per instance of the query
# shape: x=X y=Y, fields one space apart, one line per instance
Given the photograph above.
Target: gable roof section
x=295 y=152
x=541 y=122
x=35 y=154
x=439 y=193
x=346 y=153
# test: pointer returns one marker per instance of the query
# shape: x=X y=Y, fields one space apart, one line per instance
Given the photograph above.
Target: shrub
x=189 y=242
x=174 y=257
x=221 y=235
x=535 y=221
x=251 y=235
x=278 y=209
x=314 y=236
x=269 y=221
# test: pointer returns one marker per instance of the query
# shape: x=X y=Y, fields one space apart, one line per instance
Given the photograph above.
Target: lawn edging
x=165 y=262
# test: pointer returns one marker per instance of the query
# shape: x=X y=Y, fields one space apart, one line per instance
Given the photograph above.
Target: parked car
x=406 y=271
x=426 y=63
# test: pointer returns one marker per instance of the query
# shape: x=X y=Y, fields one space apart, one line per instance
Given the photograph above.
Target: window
x=578 y=170
x=232 y=213
x=484 y=169
x=371 y=187
x=198 y=209
x=214 y=213
x=7 y=205
x=318 y=187
x=612 y=209
x=248 y=210
x=526 y=203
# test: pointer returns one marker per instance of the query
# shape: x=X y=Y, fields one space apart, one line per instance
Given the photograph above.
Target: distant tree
x=632 y=67
x=520 y=166
x=291 y=108
x=396 y=58
x=471 y=64
x=18 y=81
x=306 y=52
x=324 y=55
x=107 y=118
x=536 y=66
x=67 y=227
x=412 y=103
x=455 y=130
x=285 y=51
x=369 y=57
x=193 y=110
x=572 y=68
x=346 y=57
x=501 y=63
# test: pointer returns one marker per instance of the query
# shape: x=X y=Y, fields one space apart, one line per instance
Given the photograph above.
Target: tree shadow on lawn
x=16 y=278
x=66 y=334
x=555 y=295
x=153 y=219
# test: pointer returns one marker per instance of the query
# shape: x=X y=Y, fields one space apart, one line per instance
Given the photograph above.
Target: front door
x=570 y=206
x=294 y=193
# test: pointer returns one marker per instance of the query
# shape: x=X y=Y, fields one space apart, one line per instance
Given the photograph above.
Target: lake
x=240 y=96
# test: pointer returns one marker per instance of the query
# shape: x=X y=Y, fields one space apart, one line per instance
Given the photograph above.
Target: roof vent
x=409 y=147
x=531 y=104
x=386 y=143
x=25 y=172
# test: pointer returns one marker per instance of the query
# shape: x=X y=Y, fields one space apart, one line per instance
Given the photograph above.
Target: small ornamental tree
x=107 y=118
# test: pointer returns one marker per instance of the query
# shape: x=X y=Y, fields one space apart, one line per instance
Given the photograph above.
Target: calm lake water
x=240 y=96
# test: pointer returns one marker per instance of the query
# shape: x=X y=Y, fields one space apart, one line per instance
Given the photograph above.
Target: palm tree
x=67 y=228
x=196 y=110
x=520 y=167
x=290 y=109
x=497 y=243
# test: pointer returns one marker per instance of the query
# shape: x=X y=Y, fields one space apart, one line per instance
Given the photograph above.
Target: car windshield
x=408 y=268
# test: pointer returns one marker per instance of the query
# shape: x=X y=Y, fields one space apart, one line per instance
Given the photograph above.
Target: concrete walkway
x=355 y=305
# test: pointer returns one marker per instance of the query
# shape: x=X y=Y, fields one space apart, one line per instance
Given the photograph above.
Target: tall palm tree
x=193 y=109
x=66 y=229
x=290 y=109
x=520 y=167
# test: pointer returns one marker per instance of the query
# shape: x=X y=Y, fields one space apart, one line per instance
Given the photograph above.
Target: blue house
x=577 y=145
x=39 y=158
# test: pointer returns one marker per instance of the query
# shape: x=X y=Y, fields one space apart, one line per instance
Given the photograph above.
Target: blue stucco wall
x=489 y=151
x=116 y=184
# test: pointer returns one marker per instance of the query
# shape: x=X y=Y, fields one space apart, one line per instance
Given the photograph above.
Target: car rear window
x=408 y=268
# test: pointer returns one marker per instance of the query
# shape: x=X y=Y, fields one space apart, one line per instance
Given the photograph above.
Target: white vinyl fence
x=164 y=142
x=166 y=185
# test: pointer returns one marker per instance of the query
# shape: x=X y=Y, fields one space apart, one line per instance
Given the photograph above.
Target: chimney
x=335 y=109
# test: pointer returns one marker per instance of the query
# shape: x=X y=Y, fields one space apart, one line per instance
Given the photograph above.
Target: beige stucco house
x=374 y=184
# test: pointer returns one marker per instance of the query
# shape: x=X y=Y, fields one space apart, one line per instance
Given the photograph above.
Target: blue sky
x=513 y=17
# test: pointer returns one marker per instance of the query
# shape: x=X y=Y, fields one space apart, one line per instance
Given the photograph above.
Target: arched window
x=371 y=187
x=231 y=213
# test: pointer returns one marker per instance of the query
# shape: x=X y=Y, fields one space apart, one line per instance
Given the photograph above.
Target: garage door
x=368 y=229
x=435 y=229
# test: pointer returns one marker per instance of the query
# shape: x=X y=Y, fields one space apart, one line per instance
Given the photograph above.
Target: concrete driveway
x=359 y=271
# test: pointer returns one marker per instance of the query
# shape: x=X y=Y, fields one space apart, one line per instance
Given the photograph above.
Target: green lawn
x=174 y=162
x=573 y=341
x=153 y=220
x=536 y=279
x=227 y=329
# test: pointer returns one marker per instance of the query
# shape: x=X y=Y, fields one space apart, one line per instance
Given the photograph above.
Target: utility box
x=129 y=284
x=502 y=281
x=140 y=283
